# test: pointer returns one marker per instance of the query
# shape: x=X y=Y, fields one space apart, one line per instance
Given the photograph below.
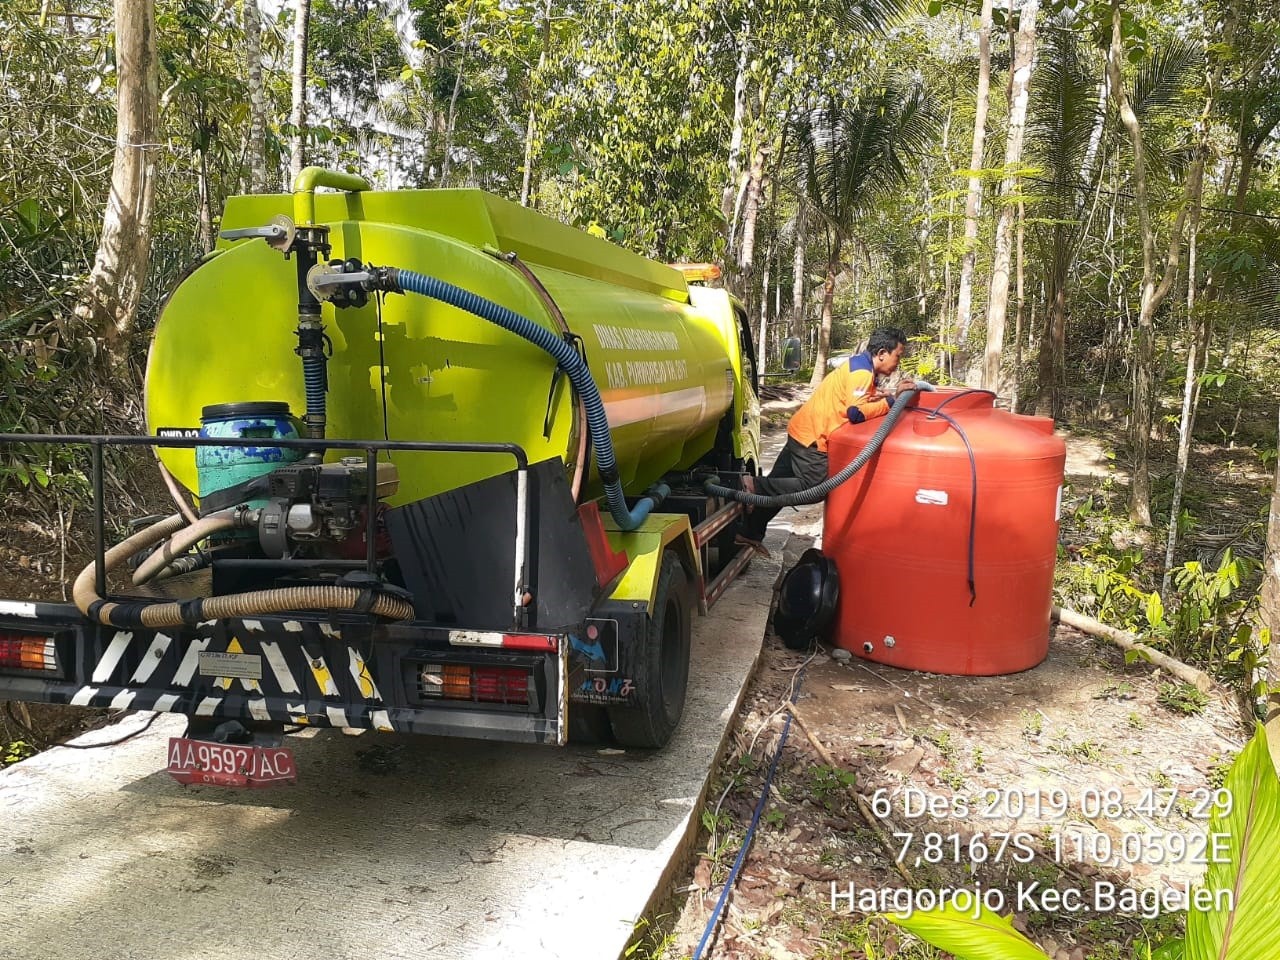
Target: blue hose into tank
x=575 y=368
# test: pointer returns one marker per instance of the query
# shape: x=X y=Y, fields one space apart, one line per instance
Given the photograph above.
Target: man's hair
x=885 y=338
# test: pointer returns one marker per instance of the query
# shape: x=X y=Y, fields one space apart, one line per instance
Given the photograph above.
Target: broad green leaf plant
x=1247 y=929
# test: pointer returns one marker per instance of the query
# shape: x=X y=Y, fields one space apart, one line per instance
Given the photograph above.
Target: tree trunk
x=1017 y=321
x=1198 y=332
x=772 y=267
x=797 y=280
x=298 y=115
x=824 y=328
x=430 y=123
x=1154 y=290
x=1024 y=47
x=1054 y=335
x=1187 y=424
x=944 y=309
x=526 y=179
x=922 y=272
x=257 y=146
x=1095 y=140
x=530 y=128
x=762 y=352
x=744 y=275
x=778 y=326
x=452 y=117
x=728 y=199
x=204 y=203
x=750 y=213
x=973 y=203
x=114 y=289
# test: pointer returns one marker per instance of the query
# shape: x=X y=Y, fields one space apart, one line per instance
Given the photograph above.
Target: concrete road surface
x=389 y=847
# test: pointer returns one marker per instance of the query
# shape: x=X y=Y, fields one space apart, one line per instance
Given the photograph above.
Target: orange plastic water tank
x=933 y=576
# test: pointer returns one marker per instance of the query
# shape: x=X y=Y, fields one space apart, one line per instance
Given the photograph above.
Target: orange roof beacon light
x=698 y=272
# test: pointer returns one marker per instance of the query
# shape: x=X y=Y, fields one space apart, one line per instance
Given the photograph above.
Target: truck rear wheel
x=663 y=677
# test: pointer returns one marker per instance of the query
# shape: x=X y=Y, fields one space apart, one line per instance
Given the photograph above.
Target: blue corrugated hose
x=574 y=367
x=315 y=380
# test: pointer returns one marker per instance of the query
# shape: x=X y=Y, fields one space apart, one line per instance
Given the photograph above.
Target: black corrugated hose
x=819 y=492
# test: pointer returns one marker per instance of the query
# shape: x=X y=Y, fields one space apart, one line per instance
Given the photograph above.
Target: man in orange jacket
x=846 y=395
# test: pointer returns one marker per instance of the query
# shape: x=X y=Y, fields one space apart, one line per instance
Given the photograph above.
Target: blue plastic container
x=221 y=467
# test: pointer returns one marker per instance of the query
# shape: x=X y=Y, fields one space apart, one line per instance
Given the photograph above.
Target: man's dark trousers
x=797 y=468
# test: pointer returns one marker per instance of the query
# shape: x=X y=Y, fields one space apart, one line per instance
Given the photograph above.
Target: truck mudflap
x=321 y=671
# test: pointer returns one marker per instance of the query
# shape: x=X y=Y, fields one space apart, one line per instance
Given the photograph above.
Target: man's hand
x=904 y=386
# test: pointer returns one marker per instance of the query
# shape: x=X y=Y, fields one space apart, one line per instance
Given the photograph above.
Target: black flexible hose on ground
x=819 y=492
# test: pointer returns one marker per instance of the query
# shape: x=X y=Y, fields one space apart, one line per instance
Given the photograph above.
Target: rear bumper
x=313 y=671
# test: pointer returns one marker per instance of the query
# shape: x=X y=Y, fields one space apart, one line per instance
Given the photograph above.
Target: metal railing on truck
x=526 y=514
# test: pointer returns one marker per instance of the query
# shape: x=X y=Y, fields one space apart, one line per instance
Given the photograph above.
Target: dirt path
x=1075 y=766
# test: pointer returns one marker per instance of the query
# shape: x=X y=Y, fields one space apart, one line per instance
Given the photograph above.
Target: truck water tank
x=945 y=541
x=411 y=368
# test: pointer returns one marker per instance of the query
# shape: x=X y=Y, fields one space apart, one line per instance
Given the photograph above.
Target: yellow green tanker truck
x=448 y=459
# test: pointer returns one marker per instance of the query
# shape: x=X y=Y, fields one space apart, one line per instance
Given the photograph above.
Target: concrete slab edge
x=682 y=853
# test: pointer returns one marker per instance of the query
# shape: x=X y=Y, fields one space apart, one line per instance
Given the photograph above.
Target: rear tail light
x=452 y=681
x=25 y=652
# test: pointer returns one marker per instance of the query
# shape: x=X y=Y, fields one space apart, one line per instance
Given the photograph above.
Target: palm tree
x=849 y=153
x=1063 y=136
x=1071 y=142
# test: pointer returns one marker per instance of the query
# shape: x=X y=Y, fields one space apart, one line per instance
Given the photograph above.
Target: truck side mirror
x=791 y=354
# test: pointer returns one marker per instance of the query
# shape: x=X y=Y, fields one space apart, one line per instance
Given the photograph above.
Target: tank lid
x=245 y=408
x=955 y=398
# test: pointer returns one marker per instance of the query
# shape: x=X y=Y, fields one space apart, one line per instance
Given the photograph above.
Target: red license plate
x=230 y=764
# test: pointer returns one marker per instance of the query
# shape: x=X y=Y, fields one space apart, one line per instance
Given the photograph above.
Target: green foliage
x=1248 y=928
x=34 y=394
x=56 y=104
x=14 y=751
x=1182 y=698
x=1101 y=579
x=650 y=940
x=1032 y=724
x=635 y=135
x=356 y=54
x=923 y=359
x=714 y=822
x=1251 y=930
x=830 y=786
x=853 y=149
x=1208 y=619
x=1208 y=623
x=982 y=937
